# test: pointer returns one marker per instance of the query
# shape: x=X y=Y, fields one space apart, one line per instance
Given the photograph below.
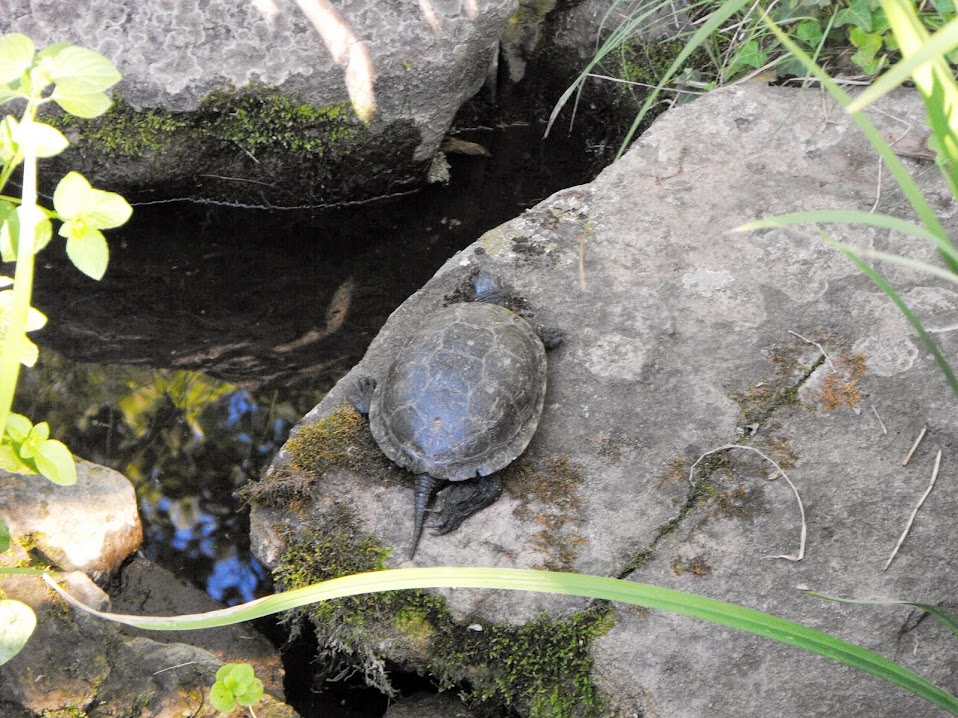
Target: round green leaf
x=82 y=103
x=16 y=56
x=221 y=698
x=18 y=427
x=252 y=693
x=47 y=141
x=82 y=70
x=242 y=674
x=107 y=210
x=89 y=252
x=35 y=319
x=54 y=460
x=11 y=461
x=17 y=621
x=29 y=354
x=72 y=196
x=10 y=233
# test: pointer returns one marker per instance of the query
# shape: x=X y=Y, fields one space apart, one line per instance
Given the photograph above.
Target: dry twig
x=801 y=507
x=911 y=519
x=820 y=348
x=921 y=435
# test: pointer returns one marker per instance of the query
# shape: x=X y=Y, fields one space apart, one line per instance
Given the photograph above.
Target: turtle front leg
x=426 y=486
x=462 y=499
x=360 y=395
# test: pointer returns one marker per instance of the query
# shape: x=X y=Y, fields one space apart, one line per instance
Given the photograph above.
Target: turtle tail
x=426 y=486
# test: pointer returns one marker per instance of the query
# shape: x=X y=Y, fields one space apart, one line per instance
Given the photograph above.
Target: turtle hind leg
x=462 y=499
x=426 y=486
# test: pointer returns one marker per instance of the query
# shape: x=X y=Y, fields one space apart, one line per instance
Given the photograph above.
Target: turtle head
x=488 y=288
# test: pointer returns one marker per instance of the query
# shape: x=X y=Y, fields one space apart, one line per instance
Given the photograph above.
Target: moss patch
x=840 y=388
x=340 y=440
x=542 y=668
x=696 y=565
x=549 y=491
x=267 y=120
x=258 y=119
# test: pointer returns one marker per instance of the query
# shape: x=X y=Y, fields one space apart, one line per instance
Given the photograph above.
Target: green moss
x=549 y=492
x=257 y=120
x=266 y=119
x=123 y=131
x=543 y=668
x=65 y=712
x=339 y=441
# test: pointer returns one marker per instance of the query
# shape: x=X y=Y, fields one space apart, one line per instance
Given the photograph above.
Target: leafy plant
x=76 y=79
x=236 y=685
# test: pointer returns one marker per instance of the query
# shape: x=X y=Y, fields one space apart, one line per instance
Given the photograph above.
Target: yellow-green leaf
x=72 y=196
x=107 y=210
x=82 y=70
x=17 y=622
x=89 y=253
x=46 y=141
x=54 y=460
x=18 y=427
x=86 y=104
x=16 y=56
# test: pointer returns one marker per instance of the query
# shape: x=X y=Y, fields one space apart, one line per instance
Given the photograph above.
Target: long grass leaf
x=948 y=618
x=619 y=37
x=851 y=216
x=907 y=185
x=610 y=589
x=926 y=338
x=943 y=41
x=708 y=28
x=935 y=82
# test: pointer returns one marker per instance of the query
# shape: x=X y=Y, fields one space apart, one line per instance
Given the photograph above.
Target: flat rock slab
x=681 y=338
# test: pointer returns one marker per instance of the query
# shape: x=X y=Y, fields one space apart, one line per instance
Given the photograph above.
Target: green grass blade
x=926 y=338
x=908 y=187
x=946 y=617
x=609 y=589
x=943 y=41
x=617 y=38
x=849 y=216
x=840 y=216
x=708 y=28
x=935 y=82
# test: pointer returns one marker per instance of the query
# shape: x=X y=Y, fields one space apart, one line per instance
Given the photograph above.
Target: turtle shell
x=464 y=395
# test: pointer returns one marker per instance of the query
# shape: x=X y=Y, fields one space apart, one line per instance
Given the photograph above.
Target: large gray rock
x=427 y=58
x=679 y=340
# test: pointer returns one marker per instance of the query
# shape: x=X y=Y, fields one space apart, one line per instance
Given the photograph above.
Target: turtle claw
x=462 y=499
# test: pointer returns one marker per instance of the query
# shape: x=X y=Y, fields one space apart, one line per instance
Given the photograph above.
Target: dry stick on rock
x=880 y=422
x=801 y=507
x=921 y=435
x=820 y=348
x=911 y=519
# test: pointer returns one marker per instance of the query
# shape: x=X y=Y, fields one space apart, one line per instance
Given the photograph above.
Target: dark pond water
x=216 y=328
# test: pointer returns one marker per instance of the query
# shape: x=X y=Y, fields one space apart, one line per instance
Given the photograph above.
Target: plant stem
x=15 y=331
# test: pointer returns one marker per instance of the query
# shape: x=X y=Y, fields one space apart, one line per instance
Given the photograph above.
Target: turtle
x=460 y=401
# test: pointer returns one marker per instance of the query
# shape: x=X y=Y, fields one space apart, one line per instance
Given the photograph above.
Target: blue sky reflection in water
x=187 y=442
